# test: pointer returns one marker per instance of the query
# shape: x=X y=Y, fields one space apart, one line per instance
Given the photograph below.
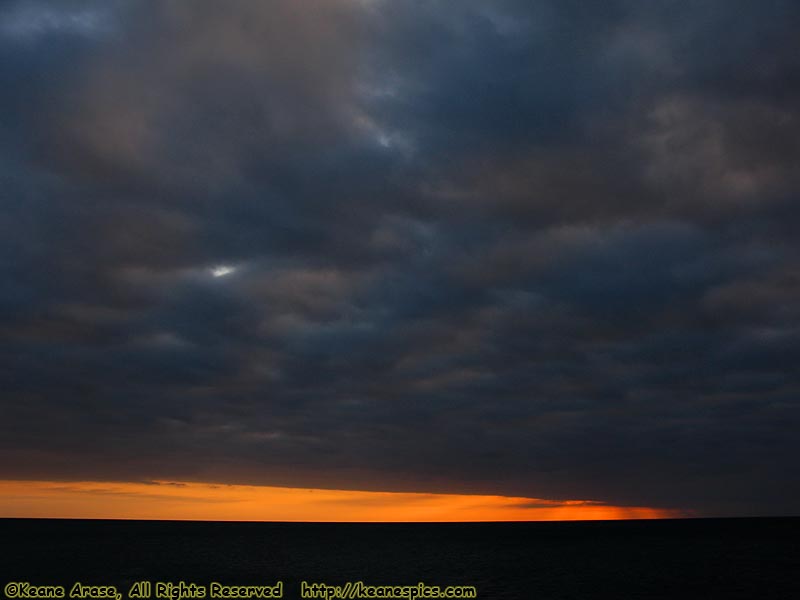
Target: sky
x=425 y=260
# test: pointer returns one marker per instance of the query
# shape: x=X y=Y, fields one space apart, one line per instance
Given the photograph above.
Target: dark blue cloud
x=532 y=248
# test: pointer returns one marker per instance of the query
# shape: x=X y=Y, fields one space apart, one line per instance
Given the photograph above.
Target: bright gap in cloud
x=222 y=270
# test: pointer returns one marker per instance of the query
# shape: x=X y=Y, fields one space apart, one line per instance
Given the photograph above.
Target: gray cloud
x=539 y=249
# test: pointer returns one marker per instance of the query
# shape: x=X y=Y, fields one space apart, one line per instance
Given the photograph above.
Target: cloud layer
x=541 y=249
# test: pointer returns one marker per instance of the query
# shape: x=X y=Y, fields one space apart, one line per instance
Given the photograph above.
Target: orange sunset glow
x=169 y=500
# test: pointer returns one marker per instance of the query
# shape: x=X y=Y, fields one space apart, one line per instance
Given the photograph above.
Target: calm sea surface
x=701 y=558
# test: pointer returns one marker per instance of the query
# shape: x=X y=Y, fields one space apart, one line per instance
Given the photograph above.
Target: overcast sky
x=532 y=248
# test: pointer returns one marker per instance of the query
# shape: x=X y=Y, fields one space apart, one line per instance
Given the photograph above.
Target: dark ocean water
x=701 y=558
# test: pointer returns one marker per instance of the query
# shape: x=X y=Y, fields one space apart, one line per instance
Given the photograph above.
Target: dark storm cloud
x=530 y=248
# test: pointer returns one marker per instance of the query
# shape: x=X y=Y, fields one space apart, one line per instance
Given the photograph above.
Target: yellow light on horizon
x=175 y=500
